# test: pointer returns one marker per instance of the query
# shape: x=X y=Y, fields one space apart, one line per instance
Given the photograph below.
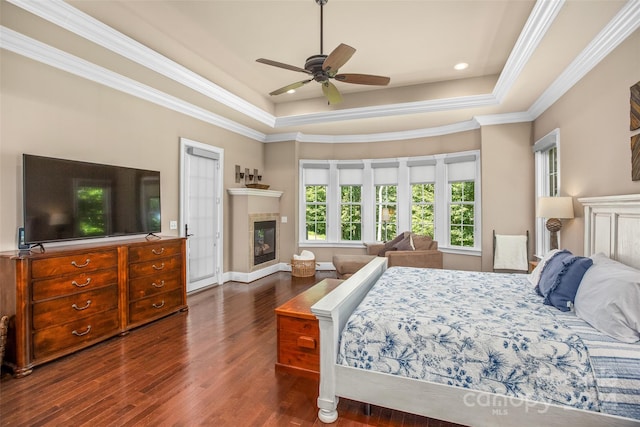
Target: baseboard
x=258 y=274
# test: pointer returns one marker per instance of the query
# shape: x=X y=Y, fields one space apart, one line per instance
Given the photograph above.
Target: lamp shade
x=555 y=207
x=386 y=216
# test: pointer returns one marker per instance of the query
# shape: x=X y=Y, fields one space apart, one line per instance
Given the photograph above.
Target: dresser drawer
x=151 y=285
x=73 y=283
x=73 y=307
x=154 y=251
x=89 y=261
x=298 y=343
x=155 y=305
x=154 y=267
x=74 y=334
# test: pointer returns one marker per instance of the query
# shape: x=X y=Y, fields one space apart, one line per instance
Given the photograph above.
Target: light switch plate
x=173 y=225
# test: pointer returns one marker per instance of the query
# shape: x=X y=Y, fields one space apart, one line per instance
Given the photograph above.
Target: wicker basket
x=303 y=267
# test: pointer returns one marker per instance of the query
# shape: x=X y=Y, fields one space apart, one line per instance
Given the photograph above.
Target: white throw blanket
x=510 y=253
x=304 y=255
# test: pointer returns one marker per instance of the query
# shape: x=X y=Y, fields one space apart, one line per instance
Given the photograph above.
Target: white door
x=201 y=213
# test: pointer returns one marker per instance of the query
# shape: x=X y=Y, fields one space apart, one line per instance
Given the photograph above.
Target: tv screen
x=67 y=199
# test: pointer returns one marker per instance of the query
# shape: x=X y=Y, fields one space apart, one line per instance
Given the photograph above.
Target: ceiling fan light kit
x=322 y=68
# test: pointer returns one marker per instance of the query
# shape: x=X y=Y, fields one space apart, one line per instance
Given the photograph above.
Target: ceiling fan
x=322 y=68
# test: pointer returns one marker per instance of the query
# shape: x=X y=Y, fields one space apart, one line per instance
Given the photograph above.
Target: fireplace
x=255 y=231
x=264 y=241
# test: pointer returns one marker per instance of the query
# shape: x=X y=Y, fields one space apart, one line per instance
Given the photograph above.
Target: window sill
x=461 y=251
x=325 y=244
x=361 y=245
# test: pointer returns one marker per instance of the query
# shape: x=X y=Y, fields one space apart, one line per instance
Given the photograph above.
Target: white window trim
x=541 y=149
x=403 y=213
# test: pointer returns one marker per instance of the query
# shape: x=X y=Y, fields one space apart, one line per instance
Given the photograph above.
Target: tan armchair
x=425 y=254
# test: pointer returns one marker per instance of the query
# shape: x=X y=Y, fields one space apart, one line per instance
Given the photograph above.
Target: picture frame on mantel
x=634 y=125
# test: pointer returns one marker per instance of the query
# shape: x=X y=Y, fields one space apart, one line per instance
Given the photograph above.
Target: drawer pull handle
x=307 y=342
x=75 y=264
x=158 y=305
x=82 y=308
x=155 y=267
x=81 y=285
x=79 y=334
x=160 y=252
x=155 y=285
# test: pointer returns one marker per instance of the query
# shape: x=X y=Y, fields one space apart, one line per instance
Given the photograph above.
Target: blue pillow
x=567 y=282
x=550 y=272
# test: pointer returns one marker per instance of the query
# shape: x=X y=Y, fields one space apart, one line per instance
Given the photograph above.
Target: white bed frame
x=612 y=226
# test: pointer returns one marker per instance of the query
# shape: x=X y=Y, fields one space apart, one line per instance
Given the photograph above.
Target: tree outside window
x=351 y=212
x=316 y=212
x=422 y=209
x=462 y=213
x=386 y=197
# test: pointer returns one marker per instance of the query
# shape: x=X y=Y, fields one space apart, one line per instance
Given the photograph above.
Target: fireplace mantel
x=242 y=191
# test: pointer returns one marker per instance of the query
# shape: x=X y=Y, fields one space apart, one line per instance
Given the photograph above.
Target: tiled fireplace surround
x=249 y=206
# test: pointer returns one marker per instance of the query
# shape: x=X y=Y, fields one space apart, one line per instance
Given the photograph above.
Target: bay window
x=347 y=203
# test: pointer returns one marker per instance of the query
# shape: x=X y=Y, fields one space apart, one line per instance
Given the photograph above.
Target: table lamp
x=555 y=209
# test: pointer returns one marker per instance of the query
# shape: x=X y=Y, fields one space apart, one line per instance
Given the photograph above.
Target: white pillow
x=609 y=299
x=534 y=277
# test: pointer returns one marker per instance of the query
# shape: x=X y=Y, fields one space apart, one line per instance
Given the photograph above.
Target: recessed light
x=461 y=66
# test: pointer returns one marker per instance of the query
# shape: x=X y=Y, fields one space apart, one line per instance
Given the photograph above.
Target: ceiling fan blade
x=290 y=87
x=363 y=79
x=331 y=93
x=338 y=58
x=282 y=65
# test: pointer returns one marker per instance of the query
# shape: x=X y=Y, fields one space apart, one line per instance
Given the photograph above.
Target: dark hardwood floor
x=211 y=366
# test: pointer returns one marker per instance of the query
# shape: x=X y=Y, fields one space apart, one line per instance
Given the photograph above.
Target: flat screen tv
x=67 y=200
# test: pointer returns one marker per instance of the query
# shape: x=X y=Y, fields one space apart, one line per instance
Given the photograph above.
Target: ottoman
x=346 y=265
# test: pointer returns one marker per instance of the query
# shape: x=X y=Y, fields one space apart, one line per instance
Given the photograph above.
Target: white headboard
x=612 y=226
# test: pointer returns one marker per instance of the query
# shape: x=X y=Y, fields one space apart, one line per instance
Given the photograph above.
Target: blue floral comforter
x=482 y=331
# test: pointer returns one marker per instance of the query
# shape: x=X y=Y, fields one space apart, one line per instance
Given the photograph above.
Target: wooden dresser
x=298 y=332
x=70 y=297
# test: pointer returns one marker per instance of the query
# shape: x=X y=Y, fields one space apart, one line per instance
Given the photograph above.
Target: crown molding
x=376 y=137
x=537 y=25
x=626 y=21
x=70 y=18
x=41 y=52
x=66 y=16
x=502 y=119
x=389 y=110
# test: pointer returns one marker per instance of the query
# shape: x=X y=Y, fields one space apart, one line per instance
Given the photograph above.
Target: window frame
x=382 y=229
x=422 y=203
x=543 y=180
x=368 y=168
x=350 y=203
x=316 y=203
x=463 y=202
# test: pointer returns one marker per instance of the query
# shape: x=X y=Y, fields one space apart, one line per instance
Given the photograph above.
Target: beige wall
x=593 y=118
x=278 y=158
x=52 y=113
x=507 y=185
